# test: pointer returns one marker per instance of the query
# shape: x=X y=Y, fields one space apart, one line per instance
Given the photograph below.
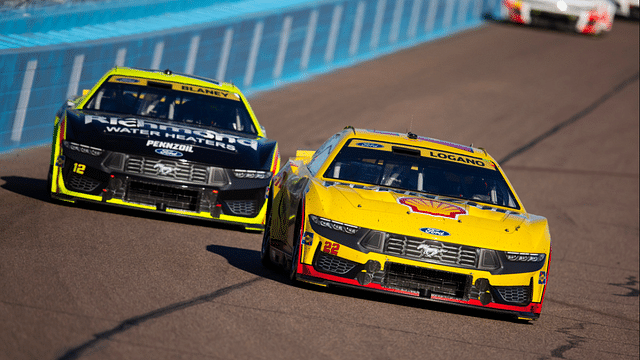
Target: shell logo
x=432 y=207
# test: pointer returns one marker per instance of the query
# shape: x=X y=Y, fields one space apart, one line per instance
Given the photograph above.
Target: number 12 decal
x=331 y=248
x=79 y=168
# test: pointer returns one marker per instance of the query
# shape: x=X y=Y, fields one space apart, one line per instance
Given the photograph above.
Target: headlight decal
x=252 y=174
x=85 y=149
x=524 y=257
x=520 y=262
x=334 y=225
x=344 y=234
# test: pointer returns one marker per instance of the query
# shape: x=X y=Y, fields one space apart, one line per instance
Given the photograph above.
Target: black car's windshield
x=163 y=101
x=422 y=170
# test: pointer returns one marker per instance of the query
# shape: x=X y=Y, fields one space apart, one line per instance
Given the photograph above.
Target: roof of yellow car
x=411 y=139
x=168 y=75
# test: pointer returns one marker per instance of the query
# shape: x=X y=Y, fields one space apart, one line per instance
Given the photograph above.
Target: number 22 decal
x=79 y=168
x=331 y=248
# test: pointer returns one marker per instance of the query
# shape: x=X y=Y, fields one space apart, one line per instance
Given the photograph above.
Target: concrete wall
x=254 y=44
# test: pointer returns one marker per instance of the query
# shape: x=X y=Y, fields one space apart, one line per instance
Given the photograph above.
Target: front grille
x=152 y=194
x=560 y=21
x=414 y=278
x=514 y=294
x=245 y=202
x=333 y=264
x=182 y=171
x=431 y=251
x=242 y=207
x=81 y=183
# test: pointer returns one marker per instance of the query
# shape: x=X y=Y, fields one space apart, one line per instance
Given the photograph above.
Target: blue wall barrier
x=37 y=19
x=254 y=44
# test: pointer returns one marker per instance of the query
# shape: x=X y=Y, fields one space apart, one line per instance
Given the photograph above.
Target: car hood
x=425 y=216
x=161 y=139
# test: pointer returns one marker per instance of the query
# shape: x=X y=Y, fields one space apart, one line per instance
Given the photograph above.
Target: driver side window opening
x=321 y=155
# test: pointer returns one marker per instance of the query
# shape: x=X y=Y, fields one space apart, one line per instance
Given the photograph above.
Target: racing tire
x=50 y=185
x=295 y=256
x=265 y=249
x=294 y=264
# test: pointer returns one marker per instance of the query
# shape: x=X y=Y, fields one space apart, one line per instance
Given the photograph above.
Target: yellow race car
x=164 y=142
x=407 y=215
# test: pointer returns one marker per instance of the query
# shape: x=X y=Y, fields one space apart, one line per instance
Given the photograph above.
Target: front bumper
x=137 y=181
x=628 y=8
x=328 y=261
x=584 y=19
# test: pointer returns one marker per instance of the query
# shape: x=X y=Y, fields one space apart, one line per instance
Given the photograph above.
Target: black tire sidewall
x=266 y=240
x=295 y=255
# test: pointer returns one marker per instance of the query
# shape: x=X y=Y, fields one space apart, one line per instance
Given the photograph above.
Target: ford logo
x=168 y=152
x=369 y=145
x=437 y=232
x=127 y=80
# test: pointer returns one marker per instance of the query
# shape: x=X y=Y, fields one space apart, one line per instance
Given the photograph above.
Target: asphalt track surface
x=561 y=112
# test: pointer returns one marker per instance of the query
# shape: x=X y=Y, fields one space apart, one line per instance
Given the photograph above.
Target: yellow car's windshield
x=421 y=170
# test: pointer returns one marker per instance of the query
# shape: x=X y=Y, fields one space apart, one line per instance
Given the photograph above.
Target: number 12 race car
x=159 y=141
x=407 y=215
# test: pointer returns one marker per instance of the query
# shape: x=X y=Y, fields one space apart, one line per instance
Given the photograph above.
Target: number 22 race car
x=407 y=215
x=159 y=141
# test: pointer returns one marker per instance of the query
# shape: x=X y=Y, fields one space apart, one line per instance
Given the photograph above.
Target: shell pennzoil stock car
x=411 y=216
x=160 y=141
x=583 y=16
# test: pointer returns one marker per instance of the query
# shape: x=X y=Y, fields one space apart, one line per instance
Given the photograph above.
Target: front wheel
x=50 y=186
x=295 y=254
x=265 y=250
x=294 y=263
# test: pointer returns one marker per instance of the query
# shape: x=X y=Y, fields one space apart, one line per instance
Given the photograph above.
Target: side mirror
x=264 y=131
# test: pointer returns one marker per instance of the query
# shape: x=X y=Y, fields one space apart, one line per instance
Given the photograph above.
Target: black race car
x=161 y=141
